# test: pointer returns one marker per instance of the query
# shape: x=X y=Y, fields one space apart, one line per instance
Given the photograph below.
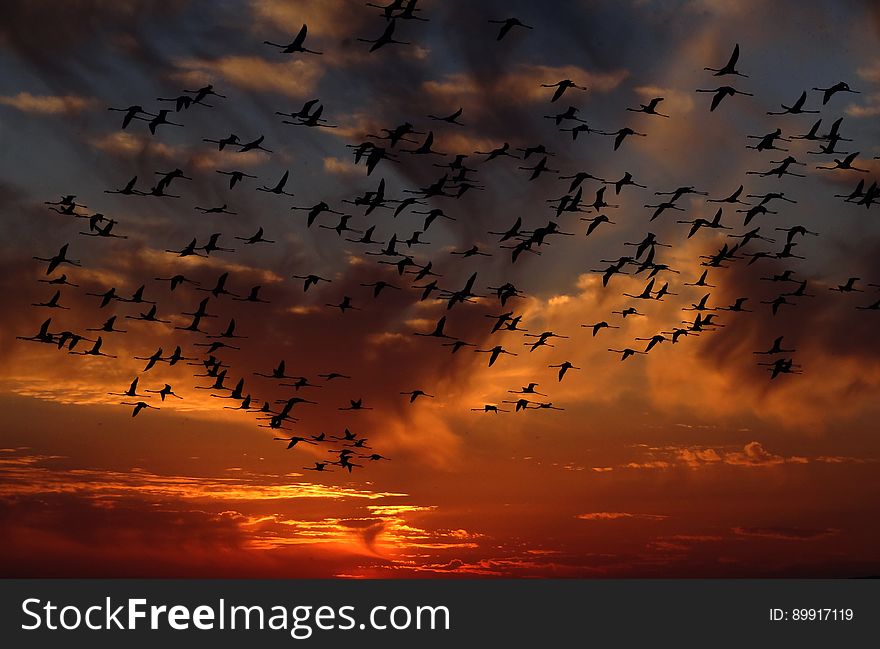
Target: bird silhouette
x=138 y=406
x=386 y=38
x=344 y=305
x=437 y=332
x=848 y=287
x=58 y=259
x=133 y=112
x=561 y=87
x=796 y=108
x=506 y=25
x=279 y=186
x=720 y=93
x=494 y=353
x=563 y=368
x=626 y=353
x=165 y=391
x=311 y=280
x=449 y=119
x=52 y=302
x=846 y=164
x=355 y=404
x=840 y=86
x=415 y=394
x=296 y=45
x=730 y=66
x=650 y=108
x=235 y=177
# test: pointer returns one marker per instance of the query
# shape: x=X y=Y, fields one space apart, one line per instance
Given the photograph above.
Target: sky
x=687 y=461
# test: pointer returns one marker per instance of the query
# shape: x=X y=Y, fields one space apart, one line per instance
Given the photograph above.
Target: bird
x=650 y=108
x=310 y=280
x=128 y=189
x=528 y=389
x=108 y=326
x=730 y=66
x=161 y=118
x=621 y=135
x=156 y=357
x=95 y=350
x=653 y=341
x=222 y=209
x=222 y=143
x=721 y=92
x=355 y=404
x=415 y=394
x=490 y=408
x=296 y=45
x=503 y=150
x=456 y=345
x=800 y=291
x=130 y=392
x=132 y=112
x=386 y=38
x=796 y=108
x=494 y=353
x=252 y=296
x=253 y=145
x=379 y=286
x=840 y=86
x=701 y=281
x=181 y=102
x=344 y=305
x=848 y=287
x=507 y=24
x=293 y=441
x=846 y=163
x=374 y=457
x=278 y=188
x=165 y=391
x=138 y=406
x=319 y=466
x=625 y=353
x=437 y=332
x=563 y=368
x=42 y=336
x=777 y=302
x=874 y=306
x=561 y=87
x=219 y=287
x=52 y=302
x=58 y=259
x=235 y=177
x=775 y=348
x=714 y=224
x=255 y=238
x=425 y=147
x=176 y=280
x=449 y=119
x=597 y=327
x=733 y=198
x=204 y=91
x=782 y=366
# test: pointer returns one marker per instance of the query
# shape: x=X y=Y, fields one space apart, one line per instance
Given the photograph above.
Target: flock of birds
x=409 y=271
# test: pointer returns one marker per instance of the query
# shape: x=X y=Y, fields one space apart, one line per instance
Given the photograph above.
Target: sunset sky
x=688 y=461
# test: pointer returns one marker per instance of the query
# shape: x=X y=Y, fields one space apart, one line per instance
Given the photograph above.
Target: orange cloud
x=47 y=104
x=295 y=78
x=613 y=516
x=521 y=85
